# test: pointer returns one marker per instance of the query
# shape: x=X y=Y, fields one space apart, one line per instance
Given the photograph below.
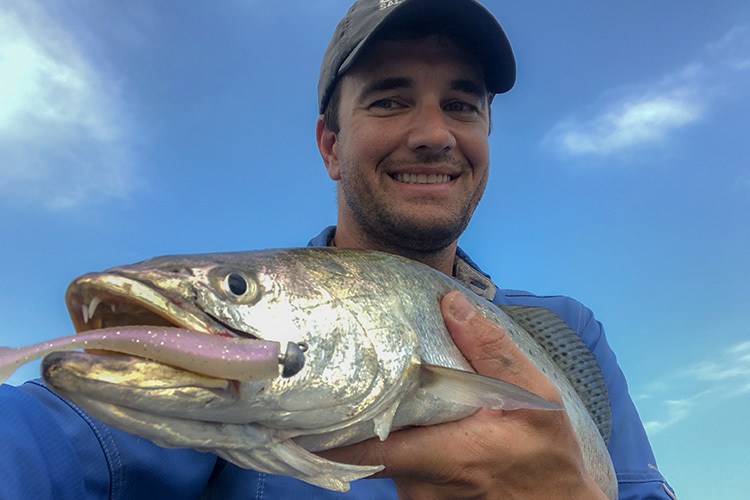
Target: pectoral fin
x=473 y=389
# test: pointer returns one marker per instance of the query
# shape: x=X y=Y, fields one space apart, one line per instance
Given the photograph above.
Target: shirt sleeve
x=50 y=448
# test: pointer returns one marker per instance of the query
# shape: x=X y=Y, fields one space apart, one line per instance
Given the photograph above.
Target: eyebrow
x=469 y=87
x=390 y=83
x=401 y=82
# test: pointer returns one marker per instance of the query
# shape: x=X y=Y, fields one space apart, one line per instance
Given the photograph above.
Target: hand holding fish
x=493 y=453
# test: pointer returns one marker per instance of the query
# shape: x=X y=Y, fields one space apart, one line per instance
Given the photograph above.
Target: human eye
x=385 y=104
x=461 y=107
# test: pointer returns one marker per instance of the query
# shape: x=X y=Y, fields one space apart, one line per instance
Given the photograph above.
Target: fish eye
x=238 y=286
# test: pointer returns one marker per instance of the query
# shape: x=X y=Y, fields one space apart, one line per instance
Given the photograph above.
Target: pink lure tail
x=216 y=356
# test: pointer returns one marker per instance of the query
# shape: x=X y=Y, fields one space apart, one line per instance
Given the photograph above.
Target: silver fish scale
x=573 y=357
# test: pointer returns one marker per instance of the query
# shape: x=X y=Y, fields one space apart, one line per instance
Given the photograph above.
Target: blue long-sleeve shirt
x=50 y=448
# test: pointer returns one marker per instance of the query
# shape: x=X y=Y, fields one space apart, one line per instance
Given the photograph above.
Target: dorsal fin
x=572 y=355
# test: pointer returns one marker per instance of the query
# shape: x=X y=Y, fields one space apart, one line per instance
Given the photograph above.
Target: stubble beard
x=396 y=232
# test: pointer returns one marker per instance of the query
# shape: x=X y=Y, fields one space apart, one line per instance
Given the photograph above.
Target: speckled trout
x=367 y=352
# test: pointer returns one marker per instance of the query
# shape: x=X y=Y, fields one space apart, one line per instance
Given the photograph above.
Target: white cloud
x=713 y=371
x=739 y=348
x=628 y=124
x=702 y=383
x=732 y=47
x=676 y=410
x=62 y=135
x=646 y=114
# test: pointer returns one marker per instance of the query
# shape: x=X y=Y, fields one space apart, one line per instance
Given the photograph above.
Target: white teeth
x=93 y=305
x=88 y=311
x=423 y=178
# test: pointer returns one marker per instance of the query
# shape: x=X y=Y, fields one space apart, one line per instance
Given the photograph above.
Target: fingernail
x=460 y=308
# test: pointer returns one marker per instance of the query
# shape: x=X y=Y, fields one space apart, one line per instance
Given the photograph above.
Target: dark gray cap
x=366 y=18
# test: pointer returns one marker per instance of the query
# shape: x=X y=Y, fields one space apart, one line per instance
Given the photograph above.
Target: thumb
x=485 y=344
x=489 y=348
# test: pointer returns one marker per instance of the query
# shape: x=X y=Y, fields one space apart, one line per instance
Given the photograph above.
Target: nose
x=429 y=130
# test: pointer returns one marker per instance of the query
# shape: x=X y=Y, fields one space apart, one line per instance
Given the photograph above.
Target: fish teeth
x=88 y=311
x=95 y=301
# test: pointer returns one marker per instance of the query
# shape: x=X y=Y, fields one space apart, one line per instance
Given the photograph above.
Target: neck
x=442 y=260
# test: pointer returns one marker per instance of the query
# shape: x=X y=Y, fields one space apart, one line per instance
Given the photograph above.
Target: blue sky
x=620 y=175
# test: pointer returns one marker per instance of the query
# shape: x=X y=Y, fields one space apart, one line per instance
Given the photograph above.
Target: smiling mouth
x=423 y=178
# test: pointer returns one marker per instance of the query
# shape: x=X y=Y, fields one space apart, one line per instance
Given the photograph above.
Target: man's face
x=412 y=153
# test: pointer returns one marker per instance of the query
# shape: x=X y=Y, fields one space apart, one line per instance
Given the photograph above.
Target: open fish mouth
x=114 y=314
x=103 y=300
x=107 y=301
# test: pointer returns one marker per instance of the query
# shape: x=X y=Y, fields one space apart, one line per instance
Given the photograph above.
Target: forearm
x=51 y=449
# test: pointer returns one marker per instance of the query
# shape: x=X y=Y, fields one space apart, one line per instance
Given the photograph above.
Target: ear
x=327 y=147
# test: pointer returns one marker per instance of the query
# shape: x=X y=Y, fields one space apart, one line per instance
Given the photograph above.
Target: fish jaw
x=101 y=300
x=66 y=372
x=141 y=384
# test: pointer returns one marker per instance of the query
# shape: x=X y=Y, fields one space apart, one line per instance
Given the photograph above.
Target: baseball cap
x=365 y=19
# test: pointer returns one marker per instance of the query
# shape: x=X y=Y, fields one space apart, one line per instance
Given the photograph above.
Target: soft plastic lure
x=216 y=356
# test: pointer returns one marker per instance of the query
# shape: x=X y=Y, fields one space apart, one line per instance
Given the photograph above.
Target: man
x=404 y=95
x=404 y=99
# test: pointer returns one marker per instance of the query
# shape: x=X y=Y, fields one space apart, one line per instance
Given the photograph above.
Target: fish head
x=308 y=297
x=267 y=295
x=218 y=294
